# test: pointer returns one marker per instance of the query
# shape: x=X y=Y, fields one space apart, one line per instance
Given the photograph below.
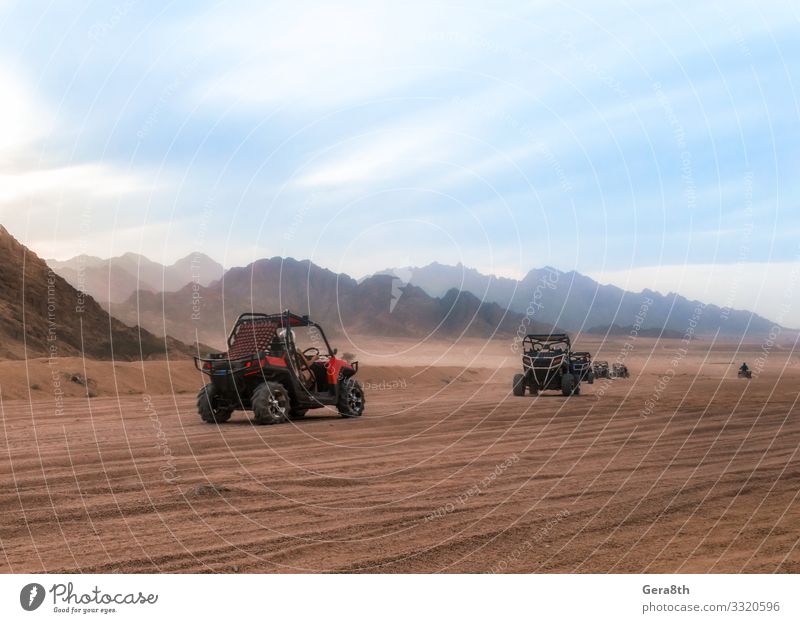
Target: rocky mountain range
x=578 y=303
x=114 y=280
x=194 y=300
x=378 y=305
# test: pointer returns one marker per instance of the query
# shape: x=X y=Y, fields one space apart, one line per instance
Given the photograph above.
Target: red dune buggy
x=276 y=373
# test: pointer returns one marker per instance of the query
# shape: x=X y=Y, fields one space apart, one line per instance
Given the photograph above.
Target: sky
x=646 y=144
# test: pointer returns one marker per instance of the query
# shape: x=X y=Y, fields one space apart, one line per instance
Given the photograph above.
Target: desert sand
x=682 y=467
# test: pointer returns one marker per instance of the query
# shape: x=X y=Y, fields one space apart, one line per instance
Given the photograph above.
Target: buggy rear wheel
x=351 y=398
x=519 y=385
x=208 y=406
x=271 y=404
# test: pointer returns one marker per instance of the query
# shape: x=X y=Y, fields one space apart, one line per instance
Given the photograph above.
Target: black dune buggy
x=264 y=370
x=601 y=370
x=582 y=366
x=619 y=371
x=547 y=365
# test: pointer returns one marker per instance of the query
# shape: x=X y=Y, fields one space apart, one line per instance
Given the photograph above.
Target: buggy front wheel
x=569 y=386
x=351 y=398
x=519 y=385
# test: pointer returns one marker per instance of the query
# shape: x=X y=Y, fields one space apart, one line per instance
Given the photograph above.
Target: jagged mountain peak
x=115 y=279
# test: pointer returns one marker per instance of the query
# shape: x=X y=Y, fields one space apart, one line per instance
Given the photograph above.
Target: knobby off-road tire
x=519 y=385
x=271 y=403
x=351 y=398
x=568 y=385
x=531 y=384
x=208 y=409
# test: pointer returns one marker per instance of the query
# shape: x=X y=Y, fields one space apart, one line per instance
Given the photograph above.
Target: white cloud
x=315 y=55
x=86 y=180
x=448 y=133
x=22 y=117
x=379 y=156
x=36 y=189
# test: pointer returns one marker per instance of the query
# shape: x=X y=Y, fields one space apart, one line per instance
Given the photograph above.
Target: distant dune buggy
x=619 y=371
x=582 y=366
x=601 y=370
x=265 y=371
x=547 y=365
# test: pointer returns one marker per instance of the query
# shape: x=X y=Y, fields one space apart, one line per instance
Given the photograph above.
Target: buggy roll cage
x=545 y=341
x=286 y=320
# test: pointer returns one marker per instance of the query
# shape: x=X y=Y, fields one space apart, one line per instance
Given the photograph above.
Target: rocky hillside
x=43 y=315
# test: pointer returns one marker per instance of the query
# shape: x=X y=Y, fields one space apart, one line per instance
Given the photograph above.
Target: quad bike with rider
x=546 y=365
x=264 y=370
x=744 y=372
